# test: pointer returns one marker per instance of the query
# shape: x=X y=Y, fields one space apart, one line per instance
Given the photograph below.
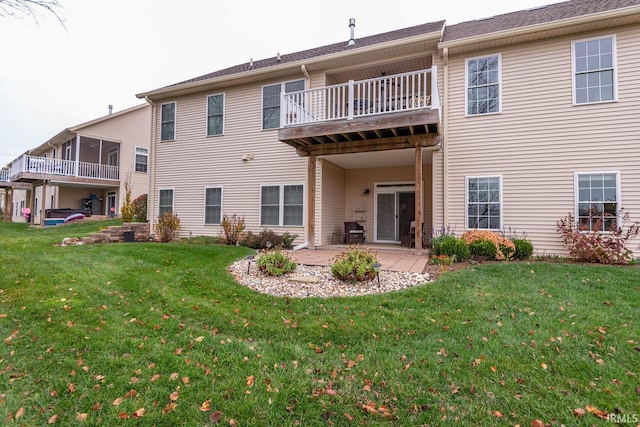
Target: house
x=505 y=123
x=85 y=167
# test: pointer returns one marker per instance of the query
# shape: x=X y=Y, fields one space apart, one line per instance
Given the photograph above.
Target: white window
x=213 y=205
x=165 y=201
x=271 y=102
x=168 y=122
x=215 y=114
x=142 y=159
x=594 y=70
x=484 y=202
x=597 y=200
x=483 y=85
x=281 y=204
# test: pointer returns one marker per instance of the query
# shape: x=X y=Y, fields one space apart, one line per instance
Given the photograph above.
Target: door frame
x=391 y=187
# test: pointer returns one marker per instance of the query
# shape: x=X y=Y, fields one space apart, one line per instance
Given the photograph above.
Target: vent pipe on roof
x=352 y=26
x=110 y=109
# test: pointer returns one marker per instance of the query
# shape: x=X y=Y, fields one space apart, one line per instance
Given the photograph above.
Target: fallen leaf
x=250 y=380
x=139 y=413
x=597 y=412
x=206 y=406
x=537 y=423
x=497 y=414
x=215 y=417
x=19 y=413
x=232 y=422
x=81 y=417
x=174 y=396
x=52 y=419
x=170 y=407
x=123 y=416
x=117 y=402
x=579 y=412
x=131 y=393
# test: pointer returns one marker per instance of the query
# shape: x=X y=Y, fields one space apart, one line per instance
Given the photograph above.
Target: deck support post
x=44 y=202
x=418 y=214
x=311 y=201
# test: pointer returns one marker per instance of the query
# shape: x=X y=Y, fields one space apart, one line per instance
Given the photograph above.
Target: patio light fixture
x=249 y=260
x=376 y=268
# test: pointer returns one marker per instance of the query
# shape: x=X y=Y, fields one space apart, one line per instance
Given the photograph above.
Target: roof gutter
x=578 y=20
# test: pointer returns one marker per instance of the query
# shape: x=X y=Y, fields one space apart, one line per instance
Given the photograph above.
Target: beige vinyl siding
x=331 y=202
x=194 y=161
x=540 y=139
x=131 y=129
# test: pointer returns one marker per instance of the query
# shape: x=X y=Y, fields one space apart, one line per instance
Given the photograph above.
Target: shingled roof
x=323 y=50
x=538 y=15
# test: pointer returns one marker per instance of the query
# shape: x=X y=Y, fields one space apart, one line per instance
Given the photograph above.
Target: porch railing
x=59 y=167
x=381 y=95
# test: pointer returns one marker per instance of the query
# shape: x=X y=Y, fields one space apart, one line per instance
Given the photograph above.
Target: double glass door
x=395 y=209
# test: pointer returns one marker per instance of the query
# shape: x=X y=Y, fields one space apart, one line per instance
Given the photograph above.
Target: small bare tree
x=34 y=8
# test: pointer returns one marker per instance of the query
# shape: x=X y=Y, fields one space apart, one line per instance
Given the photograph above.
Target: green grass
x=83 y=326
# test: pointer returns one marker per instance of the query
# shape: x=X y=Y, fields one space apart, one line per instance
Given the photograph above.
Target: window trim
x=135 y=159
x=175 y=115
x=281 y=205
x=614 y=66
x=204 y=219
x=576 y=195
x=221 y=114
x=466 y=85
x=282 y=85
x=466 y=201
x=173 y=199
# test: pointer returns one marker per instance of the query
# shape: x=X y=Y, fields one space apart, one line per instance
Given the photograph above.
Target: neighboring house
x=83 y=167
x=505 y=123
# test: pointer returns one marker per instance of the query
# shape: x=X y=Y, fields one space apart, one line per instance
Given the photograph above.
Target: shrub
x=267 y=239
x=595 y=246
x=482 y=249
x=442 y=260
x=451 y=245
x=275 y=263
x=167 y=227
x=524 y=248
x=127 y=209
x=355 y=265
x=140 y=208
x=504 y=247
x=232 y=226
x=437 y=235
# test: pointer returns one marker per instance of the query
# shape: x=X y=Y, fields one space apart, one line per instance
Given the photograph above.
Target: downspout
x=52 y=192
x=445 y=151
x=152 y=174
x=310 y=228
x=77 y=154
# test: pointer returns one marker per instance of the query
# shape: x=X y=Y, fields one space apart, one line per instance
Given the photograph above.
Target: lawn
x=160 y=334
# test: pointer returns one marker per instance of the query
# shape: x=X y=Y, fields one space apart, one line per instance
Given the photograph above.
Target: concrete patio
x=392 y=258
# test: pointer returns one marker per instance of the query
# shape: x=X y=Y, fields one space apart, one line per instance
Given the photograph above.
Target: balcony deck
x=386 y=113
x=33 y=169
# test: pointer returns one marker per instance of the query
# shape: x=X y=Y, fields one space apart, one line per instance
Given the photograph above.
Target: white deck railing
x=59 y=167
x=399 y=92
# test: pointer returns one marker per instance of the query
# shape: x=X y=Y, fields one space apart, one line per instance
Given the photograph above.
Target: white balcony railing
x=59 y=167
x=399 y=92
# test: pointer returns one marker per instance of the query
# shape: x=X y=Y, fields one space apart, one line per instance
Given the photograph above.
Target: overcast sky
x=54 y=77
